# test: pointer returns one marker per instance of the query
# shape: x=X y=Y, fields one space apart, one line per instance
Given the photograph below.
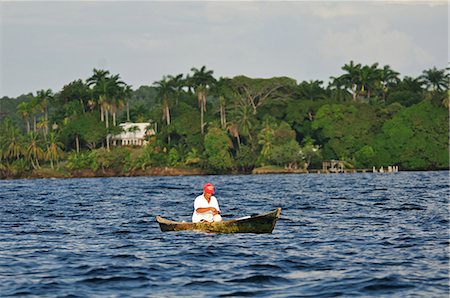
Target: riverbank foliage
x=366 y=116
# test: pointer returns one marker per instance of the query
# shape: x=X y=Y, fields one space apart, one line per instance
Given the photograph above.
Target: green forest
x=366 y=115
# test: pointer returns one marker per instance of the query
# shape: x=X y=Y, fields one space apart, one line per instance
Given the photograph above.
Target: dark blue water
x=338 y=235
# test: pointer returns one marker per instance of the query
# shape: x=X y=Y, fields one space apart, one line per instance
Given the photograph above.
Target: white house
x=133 y=134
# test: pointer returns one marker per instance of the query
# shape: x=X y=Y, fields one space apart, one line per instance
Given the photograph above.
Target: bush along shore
x=89 y=173
x=194 y=124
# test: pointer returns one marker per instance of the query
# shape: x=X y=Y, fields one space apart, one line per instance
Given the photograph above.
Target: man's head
x=208 y=190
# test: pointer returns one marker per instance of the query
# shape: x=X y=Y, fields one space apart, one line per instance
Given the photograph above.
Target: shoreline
x=47 y=173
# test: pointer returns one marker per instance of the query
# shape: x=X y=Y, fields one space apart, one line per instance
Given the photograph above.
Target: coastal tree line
x=366 y=116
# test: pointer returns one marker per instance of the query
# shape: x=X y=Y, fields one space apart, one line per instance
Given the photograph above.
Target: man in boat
x=206 y=207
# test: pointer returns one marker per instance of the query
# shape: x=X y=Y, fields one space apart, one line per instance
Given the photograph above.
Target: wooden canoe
x=262 y=223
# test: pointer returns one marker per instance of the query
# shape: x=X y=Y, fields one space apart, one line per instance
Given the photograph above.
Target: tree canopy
x=367 y=116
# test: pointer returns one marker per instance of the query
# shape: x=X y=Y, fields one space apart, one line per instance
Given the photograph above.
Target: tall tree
x=311 y=90
x=99 y=74
x=116 y=94
x=165 y=92
x=222 y=90
x=266 y=137
x=389 y=79
x=369 y=77
x=414 y=85
x=33 y=150
x=188 y=83
x=54 y=151
x=257 y=92
x=178 y=83
x=338 y=89
x=75 y=92
x=436 y=79
x=34 y=107
x=25 y=110
x=244 y=118
x=14 y=148
x=43 y=97
x=127 y=92
x=202 y=81
x=351 y=78
x=108 y=91
x=99 y=77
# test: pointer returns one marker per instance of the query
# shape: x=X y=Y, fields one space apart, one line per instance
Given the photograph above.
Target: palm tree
x=14 y=145
x=265 y=138
x=43 y=98
x=104 y=107
x=165 y=90
x=436 y=79
x=338 y=89
x=389 y=78
x=96 y=80
x=220 y=90
x=92 y=102
x=54 y=151
x=42 y=124
x=116 y=95
x=75 y=92
x=188 y=83
x=178 y=83
x=33 y=151
x=244 y=119
x=202 y=80
x=352 y=77
x=102 y=89
x=414 y=85
x=25 y=109
x=311 y=90
x=98 y=75
x=127 y=92
x=34 y=107
x=369 y=76
x=241 y=122
x=107 y=91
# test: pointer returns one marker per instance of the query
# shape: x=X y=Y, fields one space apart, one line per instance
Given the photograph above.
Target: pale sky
x=49 y=44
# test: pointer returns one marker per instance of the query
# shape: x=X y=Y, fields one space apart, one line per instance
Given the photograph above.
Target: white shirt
x=201 y=202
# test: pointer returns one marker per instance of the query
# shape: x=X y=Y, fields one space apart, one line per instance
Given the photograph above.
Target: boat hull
x=262 y=223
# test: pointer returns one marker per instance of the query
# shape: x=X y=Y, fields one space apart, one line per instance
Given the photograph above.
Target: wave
x=260 y=279
x=113 y=280
x=385 y=285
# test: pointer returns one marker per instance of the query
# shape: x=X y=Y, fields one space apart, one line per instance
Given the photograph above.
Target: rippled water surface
x=347 y=234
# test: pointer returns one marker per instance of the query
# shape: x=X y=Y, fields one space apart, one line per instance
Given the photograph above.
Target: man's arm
x=206 y=209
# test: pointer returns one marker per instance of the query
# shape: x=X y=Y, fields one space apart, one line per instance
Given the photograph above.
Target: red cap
x=208 y=188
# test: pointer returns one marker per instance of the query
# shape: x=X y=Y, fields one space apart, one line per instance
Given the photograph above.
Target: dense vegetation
x=367 y=116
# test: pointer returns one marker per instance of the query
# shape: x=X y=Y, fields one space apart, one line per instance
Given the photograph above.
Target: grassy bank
x=277 y=170
x=89 y=173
